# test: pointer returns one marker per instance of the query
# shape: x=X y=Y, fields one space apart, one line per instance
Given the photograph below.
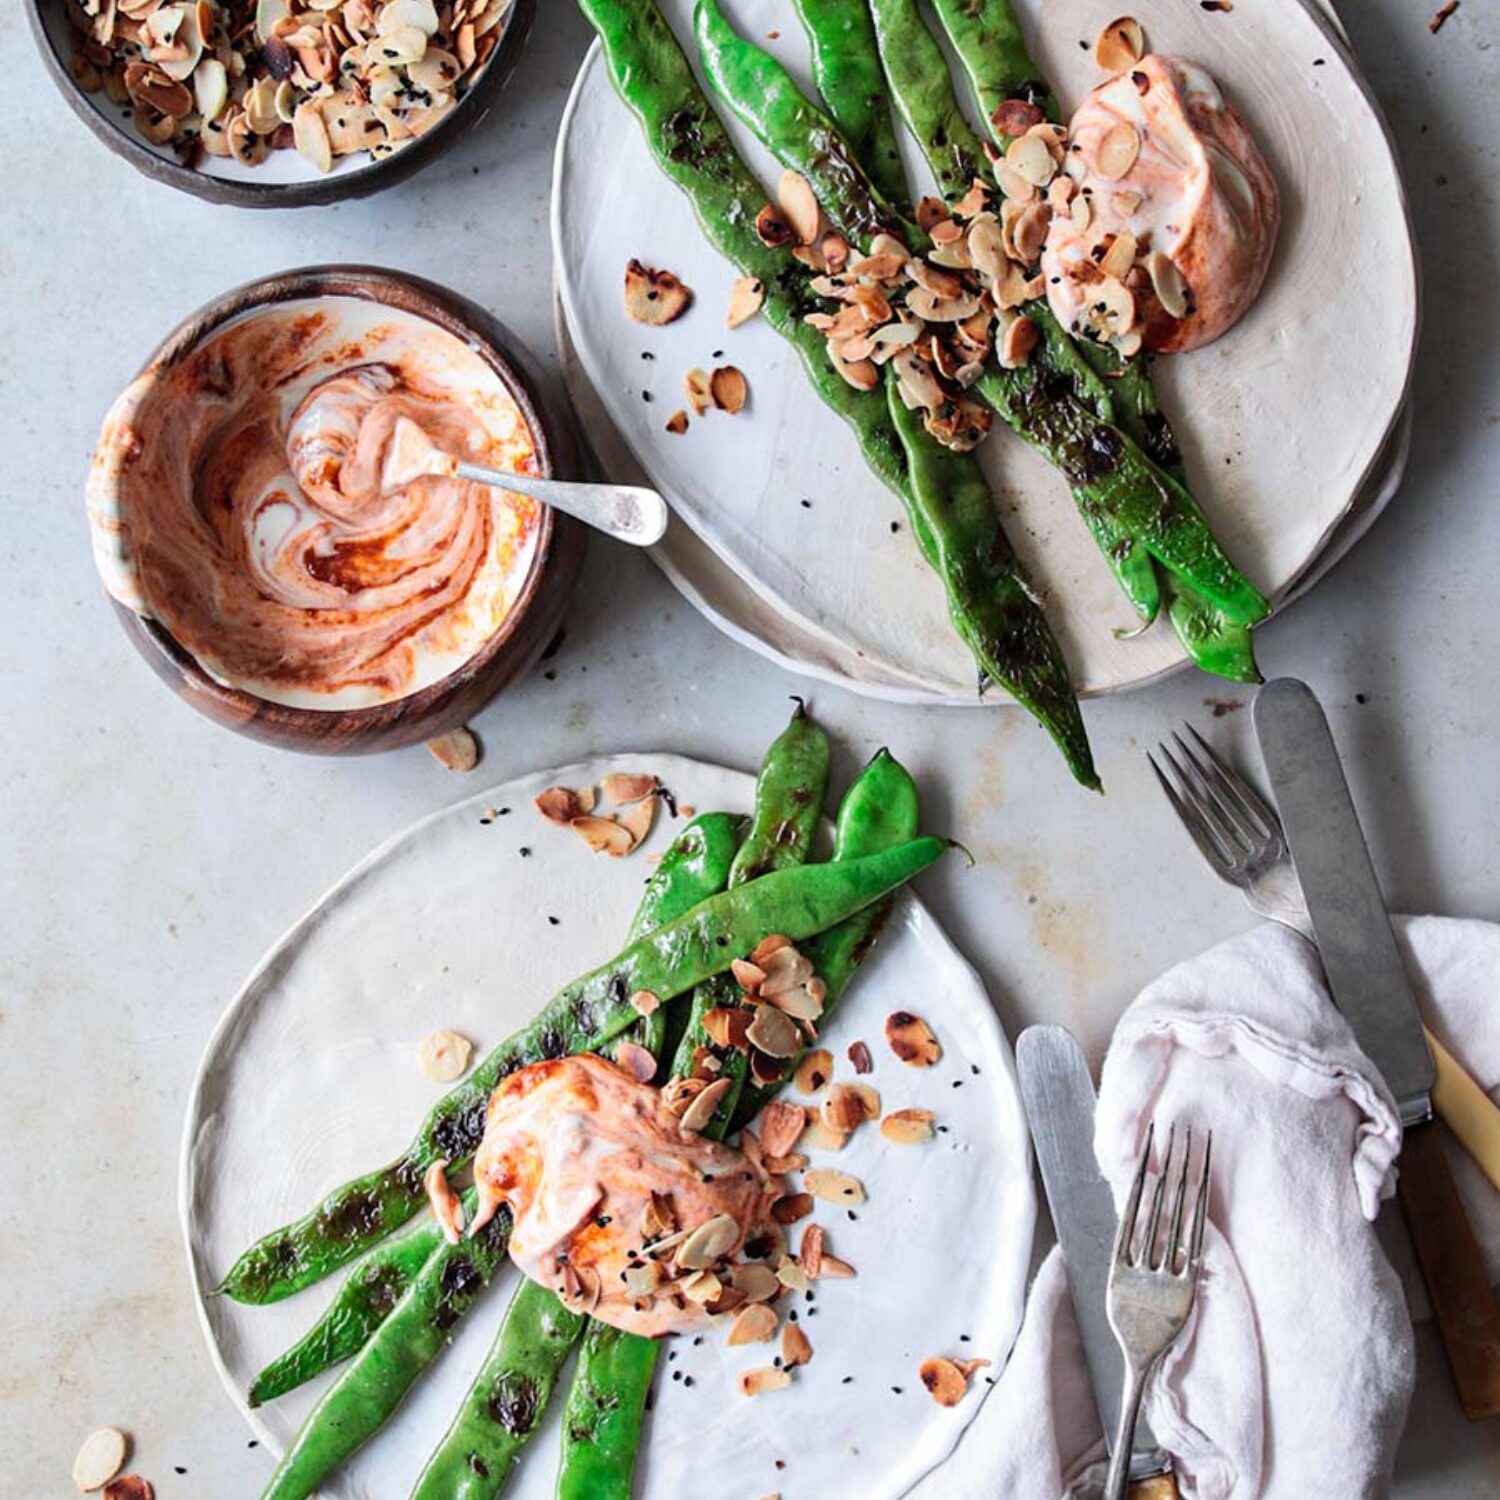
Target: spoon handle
x=626 y=512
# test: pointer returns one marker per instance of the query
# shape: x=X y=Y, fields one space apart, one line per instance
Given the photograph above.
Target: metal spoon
x=629 y=513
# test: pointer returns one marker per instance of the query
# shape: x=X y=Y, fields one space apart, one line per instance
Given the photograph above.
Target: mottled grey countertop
x=148 y=858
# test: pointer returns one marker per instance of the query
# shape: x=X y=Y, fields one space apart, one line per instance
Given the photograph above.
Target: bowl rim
x=315 y=192
x=556 y=456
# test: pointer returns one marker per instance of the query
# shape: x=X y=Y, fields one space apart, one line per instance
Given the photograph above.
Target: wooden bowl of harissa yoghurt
x=255 y=556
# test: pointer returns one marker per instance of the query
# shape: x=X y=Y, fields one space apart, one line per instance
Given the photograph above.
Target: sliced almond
x=1015 y=117
x=804 y=1003
x=699 y=1114
x=765 y=1071
x=791 y=1208
x=791 y=1275
x=1013 y=184
x=678 y=1093
x=834 y=1187
x=908 y=1127
x=637 y=819
x=729 y=389
x=810 y=1253
x=444 y=1056
x=659 y=1216
x=1112 y=308
x=968 y=1367
x=447 y=1207
x=845 y=1108
x=1120 y=257
x=755 y=1324
x=101 y=1457
x=625 y=787
x=761 y=953
x=911 y=1039
x=758 y=1381
x=773 y=1033
x=1020 y=338
x=781 y=1127
x=859 y=1056
x=645 y=1002
x=1120 y=45
x=756 y=1280
x=129 y=1487
x=944 y=1381
x=653 y=296
x=696 y=384
x=813 y=1071
x=604 y=835
x=785 y=968
x=458 y=750
x=834 y=249
x=701 y=1287
x=799 y=206
x=772 y=228
x=930 y=211
x=561 y=804
x=580 y=1288
x=1126 y=202
x=795 y=1349
x=1117 y=151
x=862 y=374
x=834 y=1269
x=821 y=1136
x=677 y=423
x=779 y=1166
x=747 y=975
x=1030 y=232
x=1081 y=211
x=746 y=297
x=708 y=1243
x=1167 y=283
x=1029 y=156
x=643 y=1280
x=636 y=1061
x=729 y=1026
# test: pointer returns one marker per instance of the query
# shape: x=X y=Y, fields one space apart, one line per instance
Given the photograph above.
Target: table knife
x=1370 y=986
x=1058 y=1097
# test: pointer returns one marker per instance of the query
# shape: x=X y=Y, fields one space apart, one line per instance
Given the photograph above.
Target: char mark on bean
x=352 y=1216
x=514 y=1403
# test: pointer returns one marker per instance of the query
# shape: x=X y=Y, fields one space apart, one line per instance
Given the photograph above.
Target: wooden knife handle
x=1465 y=1108
x=1468 y=1317
x=1158 y=1487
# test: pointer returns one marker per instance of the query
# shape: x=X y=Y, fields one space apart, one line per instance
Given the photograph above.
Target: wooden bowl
x=296 y=183
x=528 y=628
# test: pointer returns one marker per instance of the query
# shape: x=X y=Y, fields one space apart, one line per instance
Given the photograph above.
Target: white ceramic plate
x=310 y=1078
x=1284 y=420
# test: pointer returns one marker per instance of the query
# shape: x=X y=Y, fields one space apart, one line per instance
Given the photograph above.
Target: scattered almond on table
x=458 y=750
x=947 y=1380
x=653 y=296
x=444 y=1056
x=101 y=1457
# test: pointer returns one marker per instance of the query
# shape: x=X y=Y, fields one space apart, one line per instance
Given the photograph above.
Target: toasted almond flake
x=799 y=206
x=1013 y=184
x=764 y=1071
x=659 y=1216
x=1030 y=232
x=944 y=1381
x=813 y=1071
x=772 y=228
x=643 y=1280
x=781 y=1126
x=636 y=1061
x=758 y=1381
x=834 y=249
x=677 y=423
x=637 y=819
x=702 y=1286
x=795 y=1348
x=129 y=1487
x=755 y=1324
x=968 y=1367
x=773 y=1033
x=1119 y=257
x=1167 y=282
x=821 y=1136
x=911 y=1039
x=791 y=1275
x=843 y=1110
x=791 y=1208
x=1120 y=45
x=708 y=1243
x=458 y=750
x=1126 y=202
x=625 y=787
x=653 y=296
x=447 y=1207
x=561 y=804
x=768 y=945
x=1081 y=211
x=1437 y=20
x=746 y=297
x=802 y=1003
x=862 y=374
x=1029 y=156
x=728 y=1026
x=785 y=968
x=1015 y=117
x=908 y=1127
x=779 y=1166
x=444 y=1055
x=929 y=211
x=1020 y=338
x=1112 y=308
x=101 y=1457
x=729 y=389
x=834 y=1187
x=747 y=975
x=696 y=384
x=1117 y=151
x=645 y=1001
x=604 y=835
x=810 y=1254
x=859 y=1056
x=834 y=1269
x=580 y=1288
x=699 y=1114
x=756 y=1280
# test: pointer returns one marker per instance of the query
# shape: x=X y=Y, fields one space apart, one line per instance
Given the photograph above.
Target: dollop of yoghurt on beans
x=1168 y=169
x=606 y=1188
x=238 y=496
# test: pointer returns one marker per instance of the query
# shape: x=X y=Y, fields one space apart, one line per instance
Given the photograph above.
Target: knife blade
x=1369 y=985
x=1058 y=1096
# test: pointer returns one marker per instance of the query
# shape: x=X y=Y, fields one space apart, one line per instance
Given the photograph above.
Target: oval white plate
x=1283 y=420
x=310 y=1078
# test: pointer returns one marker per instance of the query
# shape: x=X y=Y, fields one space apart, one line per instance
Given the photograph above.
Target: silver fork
x=1152 y=1283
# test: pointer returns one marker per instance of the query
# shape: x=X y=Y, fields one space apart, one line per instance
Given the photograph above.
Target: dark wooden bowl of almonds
x=280 y=103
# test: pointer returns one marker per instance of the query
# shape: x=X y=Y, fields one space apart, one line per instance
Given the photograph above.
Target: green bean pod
x=374 y=1383
x=582 y=1017
x=846 y=69
x=987 y=39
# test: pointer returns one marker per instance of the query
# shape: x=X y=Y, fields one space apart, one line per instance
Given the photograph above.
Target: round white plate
x=310 y=1078
x=1284 y=420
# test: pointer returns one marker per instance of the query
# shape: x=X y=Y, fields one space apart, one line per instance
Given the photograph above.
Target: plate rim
x=1023 y=1188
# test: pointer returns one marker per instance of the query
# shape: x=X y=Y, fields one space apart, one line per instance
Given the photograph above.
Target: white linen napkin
x=1295 y=1375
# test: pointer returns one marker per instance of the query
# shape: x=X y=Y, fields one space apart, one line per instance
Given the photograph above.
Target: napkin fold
x=1295 y=1375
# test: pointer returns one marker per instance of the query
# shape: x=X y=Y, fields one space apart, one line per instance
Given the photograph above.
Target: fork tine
x=1175 y=1248
x=1239 y=788
x=1199 y=796
x=1244 y=833
x=1200 y=1208
x=1148 y=1248
x=1125 y=1234
x=1219 y=861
